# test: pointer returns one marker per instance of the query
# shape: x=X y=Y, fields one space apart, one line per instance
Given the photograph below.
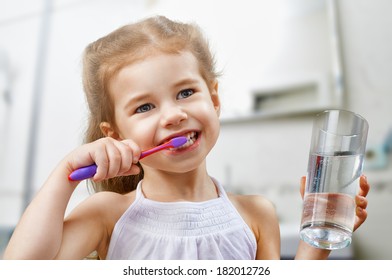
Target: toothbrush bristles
x=178 y=141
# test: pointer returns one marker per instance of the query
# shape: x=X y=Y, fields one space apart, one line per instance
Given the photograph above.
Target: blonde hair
x=128 y=44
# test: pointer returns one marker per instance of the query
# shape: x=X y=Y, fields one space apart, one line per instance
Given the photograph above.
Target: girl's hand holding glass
x=360 y=199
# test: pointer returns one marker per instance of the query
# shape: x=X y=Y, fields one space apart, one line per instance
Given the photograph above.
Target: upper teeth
x=191 y=136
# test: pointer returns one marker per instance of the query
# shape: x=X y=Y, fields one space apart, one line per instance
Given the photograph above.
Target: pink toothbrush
x=90 y=170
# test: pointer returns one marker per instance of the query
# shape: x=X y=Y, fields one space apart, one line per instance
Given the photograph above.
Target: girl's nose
x=172 y=116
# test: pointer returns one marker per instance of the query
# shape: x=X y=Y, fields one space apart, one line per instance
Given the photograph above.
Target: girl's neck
x=195 y=185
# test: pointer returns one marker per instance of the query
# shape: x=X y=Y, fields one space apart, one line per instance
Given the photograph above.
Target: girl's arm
x=267 y=232
x=305 y=251
x=40 y=232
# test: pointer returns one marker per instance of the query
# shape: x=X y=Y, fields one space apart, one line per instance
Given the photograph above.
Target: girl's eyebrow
x=186 y=81
x=136 y=99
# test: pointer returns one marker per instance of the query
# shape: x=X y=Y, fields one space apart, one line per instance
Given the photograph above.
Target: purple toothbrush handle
x=83 y=173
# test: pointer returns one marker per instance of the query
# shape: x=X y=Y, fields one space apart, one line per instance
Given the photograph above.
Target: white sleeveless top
x=154 y=230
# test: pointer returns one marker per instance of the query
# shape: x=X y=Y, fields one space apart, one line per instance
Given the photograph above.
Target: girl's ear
x=108 y=130
x=215 y=96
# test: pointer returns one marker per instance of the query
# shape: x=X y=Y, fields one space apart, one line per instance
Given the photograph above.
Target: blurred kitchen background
x=282 y=62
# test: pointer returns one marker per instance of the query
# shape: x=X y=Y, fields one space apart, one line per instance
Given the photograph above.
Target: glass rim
x=343 y=111
x=347 y=112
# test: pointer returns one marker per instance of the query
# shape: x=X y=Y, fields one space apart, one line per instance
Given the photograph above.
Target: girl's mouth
x=192 y=137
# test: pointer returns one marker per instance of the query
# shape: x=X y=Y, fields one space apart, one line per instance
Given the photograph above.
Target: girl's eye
x=145 y=108
x=185 y=93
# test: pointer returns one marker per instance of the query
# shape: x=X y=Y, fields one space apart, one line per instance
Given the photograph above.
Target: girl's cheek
x=142 y=132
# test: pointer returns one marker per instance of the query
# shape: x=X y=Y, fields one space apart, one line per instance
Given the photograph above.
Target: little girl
x=147 y=83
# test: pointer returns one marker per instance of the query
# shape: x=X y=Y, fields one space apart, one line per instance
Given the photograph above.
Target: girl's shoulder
x=110 y=205
x=104 y=208
x=107 y=196
x=253 y=204
x=260 y=215
x=256 y=210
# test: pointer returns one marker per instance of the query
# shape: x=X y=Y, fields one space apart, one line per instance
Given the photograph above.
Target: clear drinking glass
x=335 y=165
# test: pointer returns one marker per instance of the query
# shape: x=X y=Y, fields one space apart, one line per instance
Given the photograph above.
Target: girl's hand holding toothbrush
x=112 y=158
x=90 y=171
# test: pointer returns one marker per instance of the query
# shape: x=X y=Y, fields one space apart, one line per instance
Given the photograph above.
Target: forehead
x=157 y=70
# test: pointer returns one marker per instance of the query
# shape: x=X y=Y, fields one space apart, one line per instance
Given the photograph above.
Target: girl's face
x=162 y=97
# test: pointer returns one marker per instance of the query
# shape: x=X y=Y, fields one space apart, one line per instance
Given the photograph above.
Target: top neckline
x=140 y=196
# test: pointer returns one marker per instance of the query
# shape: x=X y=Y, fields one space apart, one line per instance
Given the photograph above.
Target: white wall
x=367 y=44
x=19 y=39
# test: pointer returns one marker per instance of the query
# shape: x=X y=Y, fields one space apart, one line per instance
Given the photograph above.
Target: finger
x=136 y=152
x=135 y=169
x=107 y=159
x=100 y=158
x=115 y=160
x=361 y=216
x=302 y=186
x=126 y=154
x=364 y=186
x=361 y=201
